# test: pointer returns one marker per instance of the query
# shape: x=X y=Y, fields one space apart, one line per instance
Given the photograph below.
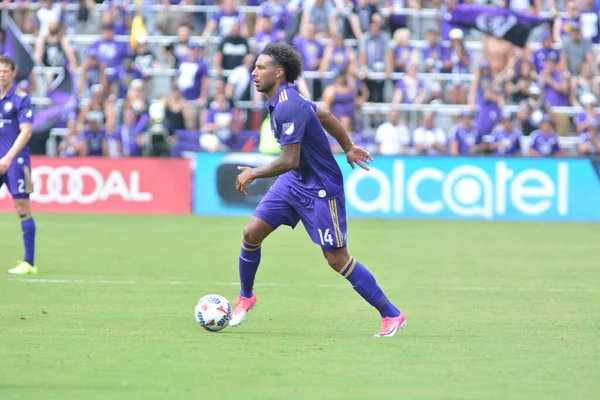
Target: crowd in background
x=355 y=52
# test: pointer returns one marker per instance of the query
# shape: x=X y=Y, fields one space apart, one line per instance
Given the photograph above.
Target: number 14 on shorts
x=325 y=237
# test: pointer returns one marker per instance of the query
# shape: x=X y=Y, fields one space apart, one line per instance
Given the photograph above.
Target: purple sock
x=28 y=229
x=365 y=284
x=249 y=261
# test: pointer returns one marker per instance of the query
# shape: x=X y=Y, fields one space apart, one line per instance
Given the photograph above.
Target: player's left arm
x=25 y=118
x=332 y=125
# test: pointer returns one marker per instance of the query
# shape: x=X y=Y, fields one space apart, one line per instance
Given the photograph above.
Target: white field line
x=288 y=284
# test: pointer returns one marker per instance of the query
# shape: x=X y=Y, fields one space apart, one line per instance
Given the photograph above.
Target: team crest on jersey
x=288 y=128
x=8 y=106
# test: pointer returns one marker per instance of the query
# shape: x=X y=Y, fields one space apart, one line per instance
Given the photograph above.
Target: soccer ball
x=213 y=312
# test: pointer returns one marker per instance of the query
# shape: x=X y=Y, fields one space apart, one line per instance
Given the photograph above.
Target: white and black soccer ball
x=213 y=312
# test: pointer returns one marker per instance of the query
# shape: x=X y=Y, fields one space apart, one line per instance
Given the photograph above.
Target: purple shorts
x=324 y=220
x=18 y=178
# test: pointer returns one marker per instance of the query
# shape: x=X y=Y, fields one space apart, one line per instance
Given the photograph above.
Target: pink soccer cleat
x=390 y=325
x=240 y=309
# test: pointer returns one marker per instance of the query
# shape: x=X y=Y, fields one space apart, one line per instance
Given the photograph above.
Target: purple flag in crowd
x=502 y=23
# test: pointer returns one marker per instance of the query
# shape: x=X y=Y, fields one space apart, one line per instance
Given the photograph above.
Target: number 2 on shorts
x=325 y=237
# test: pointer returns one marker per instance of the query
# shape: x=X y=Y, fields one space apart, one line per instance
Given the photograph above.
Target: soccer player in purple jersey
x=16 y=118
x=310 y=187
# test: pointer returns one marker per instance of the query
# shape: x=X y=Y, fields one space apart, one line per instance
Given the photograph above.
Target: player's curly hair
x=287 y=57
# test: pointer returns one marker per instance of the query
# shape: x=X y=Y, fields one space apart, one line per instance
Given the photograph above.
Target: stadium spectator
x=340 y=97
x=392 y=137
x=576 y=51
x=482 y=80
x=231 y=52
x=445 y=25
x=312 y=53
x=54 y=50
x=221 y=120
x=137 y=100
x=376 y=56
x=71 y=144
x=94 y=136
x=277 y=12
x=109 y=52
x=97 y=107
x=539 y=56
x=565 y=25
x=128 y=138
x=582 y=83
x=544 y=141
x=404 y=53
x=464 y=138
x=126 y=73
x=395 y=19
x=143 y=58
x=532 y=109
x=49 y=12
x=174 y=106
x=179 y=49
x=355 y=136
x=266 y=35
x=338 y=56
x=434 y=53
x=505 y=139
x=168 y=21
x=92 y=73
x=321 y=14
x=588 y=115
x=224 y=19
x=116 y=14
x=428 y=139
x=23 y=16
x=410 y=89
x=588 y=141
x=457 y=61
x=589 y=20
x=555 y=86
x=193 y=81
x=364 y=11
x=239 y=83
x=518 y=85
x=490 y=109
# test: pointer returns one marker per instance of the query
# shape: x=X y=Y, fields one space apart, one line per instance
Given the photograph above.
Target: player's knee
x=251 y=235
x=336 y=260
x=22 y=207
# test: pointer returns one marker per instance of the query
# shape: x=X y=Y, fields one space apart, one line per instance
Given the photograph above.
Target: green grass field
x=495 y=311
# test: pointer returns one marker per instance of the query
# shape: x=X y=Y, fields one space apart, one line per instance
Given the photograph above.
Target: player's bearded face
x=264 y=74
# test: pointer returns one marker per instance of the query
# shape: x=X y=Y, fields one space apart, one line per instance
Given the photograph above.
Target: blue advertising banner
x=427 y=187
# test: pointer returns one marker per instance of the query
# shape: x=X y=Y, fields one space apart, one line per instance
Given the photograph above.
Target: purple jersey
x=223 y=119
x=458 y=67
x=339 y=59
x=277 y=12
x=582 y=117
x=466 y=137
x=545 y=145
x=263 y=38
x=190 y=77
x=403 y=53
x=510 y=141
x=226 y=20
x=111 y=54
x=586 y=139
x=539 y=57
x=553 y=97
x=487 y=117
x=311 y=52
x=434 y=56
x=294 y=120
x=124 y=78
x=127 y=136
x=94 y=141
x=409 y=93
x=15 y=109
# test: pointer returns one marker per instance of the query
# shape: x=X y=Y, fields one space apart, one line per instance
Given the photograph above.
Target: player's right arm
x=332 y=125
